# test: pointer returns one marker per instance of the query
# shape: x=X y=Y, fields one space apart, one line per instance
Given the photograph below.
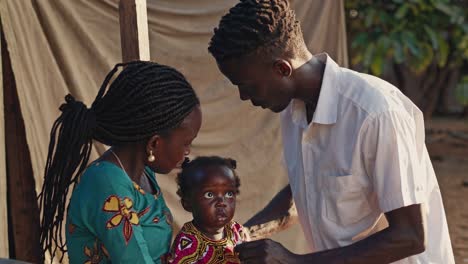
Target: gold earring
x=151 y=157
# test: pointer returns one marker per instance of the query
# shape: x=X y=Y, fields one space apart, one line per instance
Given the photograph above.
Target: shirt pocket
x=346 y=201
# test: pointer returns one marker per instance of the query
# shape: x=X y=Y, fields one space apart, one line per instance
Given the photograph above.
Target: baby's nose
x=220 y=202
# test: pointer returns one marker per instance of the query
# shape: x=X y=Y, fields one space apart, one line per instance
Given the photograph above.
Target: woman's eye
x=229 y=194
x=208 y=195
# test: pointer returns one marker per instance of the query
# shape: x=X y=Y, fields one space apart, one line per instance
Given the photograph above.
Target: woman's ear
x=152 y=144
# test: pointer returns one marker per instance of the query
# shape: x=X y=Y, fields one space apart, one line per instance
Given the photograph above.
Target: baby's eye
x=208 y=195
x=229 y=194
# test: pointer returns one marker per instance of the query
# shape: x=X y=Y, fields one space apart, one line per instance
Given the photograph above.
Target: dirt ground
x=447 y=142
x=452 y=172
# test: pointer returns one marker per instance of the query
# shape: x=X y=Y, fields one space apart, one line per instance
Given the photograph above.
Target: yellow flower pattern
x=124 y=213
x=94 y=255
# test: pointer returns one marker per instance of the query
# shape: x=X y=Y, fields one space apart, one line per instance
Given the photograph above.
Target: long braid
x=145 y=99
x=69 y=149
x=257 y=25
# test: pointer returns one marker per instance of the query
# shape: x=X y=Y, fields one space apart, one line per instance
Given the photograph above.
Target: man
x=353 y=145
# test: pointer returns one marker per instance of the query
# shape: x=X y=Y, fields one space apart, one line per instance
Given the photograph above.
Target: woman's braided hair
x=264 y=26
x=145 y=99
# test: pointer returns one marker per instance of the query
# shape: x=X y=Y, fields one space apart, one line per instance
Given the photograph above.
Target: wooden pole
x=4 y=251
x=23 y=209
x=134 y=30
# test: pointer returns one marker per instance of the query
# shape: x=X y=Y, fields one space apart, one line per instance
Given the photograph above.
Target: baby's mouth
x=221 y=214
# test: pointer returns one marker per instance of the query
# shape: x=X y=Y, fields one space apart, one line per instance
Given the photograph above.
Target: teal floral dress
x=112 y=220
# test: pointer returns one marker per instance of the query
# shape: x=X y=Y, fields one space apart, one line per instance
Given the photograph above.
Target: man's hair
x=185 y=177
x=145 y=99
x=257 y=26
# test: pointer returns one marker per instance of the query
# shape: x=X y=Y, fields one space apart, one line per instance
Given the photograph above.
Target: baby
x=208 y=187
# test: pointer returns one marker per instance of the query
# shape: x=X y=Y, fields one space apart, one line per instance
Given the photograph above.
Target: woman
x=149 y=116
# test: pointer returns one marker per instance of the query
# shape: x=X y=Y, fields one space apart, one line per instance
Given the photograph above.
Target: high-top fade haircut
x=145 y=99
x=264 y=27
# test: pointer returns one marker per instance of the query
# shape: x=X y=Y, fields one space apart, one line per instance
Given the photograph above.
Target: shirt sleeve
x=184 y=249
x=393 y=155
x=241 y=233
x=110 y=214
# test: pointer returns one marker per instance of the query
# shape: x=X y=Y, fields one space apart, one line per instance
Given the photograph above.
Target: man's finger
x=252 y=244
x=249 y=254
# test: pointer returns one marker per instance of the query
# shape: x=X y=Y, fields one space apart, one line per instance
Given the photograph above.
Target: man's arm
x=404 y=237
x=278 y=215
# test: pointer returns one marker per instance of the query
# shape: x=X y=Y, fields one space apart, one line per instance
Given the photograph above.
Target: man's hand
x=264 y=251
x=404 y=237
x=278 y=215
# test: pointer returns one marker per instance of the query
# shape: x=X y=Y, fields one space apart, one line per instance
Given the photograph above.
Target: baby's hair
x=184 y=179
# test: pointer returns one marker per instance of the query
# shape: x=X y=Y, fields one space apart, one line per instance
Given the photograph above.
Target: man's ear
x=282 y=67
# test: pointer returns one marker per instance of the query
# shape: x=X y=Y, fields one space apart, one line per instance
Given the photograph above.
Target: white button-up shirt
x=362 y=155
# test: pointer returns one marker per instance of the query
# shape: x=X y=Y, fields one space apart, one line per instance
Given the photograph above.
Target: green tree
x=422 y=43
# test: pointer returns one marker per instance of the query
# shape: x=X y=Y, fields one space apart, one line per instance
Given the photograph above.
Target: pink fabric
x=192 y=246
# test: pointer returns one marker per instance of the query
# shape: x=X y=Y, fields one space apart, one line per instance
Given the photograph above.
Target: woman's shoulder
x=103 y=173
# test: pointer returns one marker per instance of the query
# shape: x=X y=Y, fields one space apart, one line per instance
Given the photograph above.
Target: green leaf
x=360 y=40
x=465 y=28
x=443 y=51
x=432 y=37
x=422 y=63
x=377 y=65
x=370 y=17
x=463 y=47
x=384 y=17
x=461 y=91
x=357 y=59
x=369 y=53
x=398 y=53
x=411 y=42
x=384 y=43
x=445 y=8
x=402 y=10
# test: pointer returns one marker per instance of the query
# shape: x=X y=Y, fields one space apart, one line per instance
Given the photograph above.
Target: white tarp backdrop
x=68 y=46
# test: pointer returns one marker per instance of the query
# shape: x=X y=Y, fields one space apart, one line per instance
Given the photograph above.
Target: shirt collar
x=327 y=106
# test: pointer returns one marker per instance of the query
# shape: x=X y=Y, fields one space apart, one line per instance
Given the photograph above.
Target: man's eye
x=229 y=194
x=208 y=195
